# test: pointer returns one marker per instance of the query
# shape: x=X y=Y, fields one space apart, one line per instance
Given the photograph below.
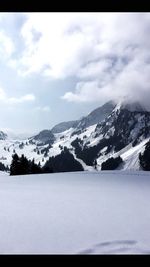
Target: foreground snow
x=75 y=213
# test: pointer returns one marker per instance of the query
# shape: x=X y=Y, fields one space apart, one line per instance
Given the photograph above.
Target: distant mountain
x=92 y=118
x=45 y=136
x=63 y=126
x=3 y=136
x=97 y=115
x=17 y=136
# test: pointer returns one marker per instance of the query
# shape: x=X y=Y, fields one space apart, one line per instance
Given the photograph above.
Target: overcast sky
x=56 y=67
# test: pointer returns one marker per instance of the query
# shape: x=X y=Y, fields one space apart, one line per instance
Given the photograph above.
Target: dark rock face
x=144 y=158
x=120 y=128
x=128 y=126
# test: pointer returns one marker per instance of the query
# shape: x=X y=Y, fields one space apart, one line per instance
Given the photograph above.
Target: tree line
x=21 y=165
x=111 y=163
x=3 y=167
x=63 y=162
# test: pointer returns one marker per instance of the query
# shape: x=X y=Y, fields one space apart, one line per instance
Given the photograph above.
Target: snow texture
x=75 y=213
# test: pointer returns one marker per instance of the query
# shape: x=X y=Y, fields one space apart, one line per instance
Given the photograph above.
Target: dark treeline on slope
x=111 y=163
x=3 y=167
x=144 y=159
x=63 y=162
x=21 y=165
x=88 y=154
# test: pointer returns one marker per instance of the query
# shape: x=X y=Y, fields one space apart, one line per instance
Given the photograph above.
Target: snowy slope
x=129 y=154
x=131 y=157
x=8 y=147
x=75 y=213
x=123 y=129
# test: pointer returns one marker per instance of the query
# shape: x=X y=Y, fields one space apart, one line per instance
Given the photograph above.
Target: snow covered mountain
x=3 y=136
x=63 y=126
x=44 y=137
x=96 y=115
x=111 y=130
x=92 y=118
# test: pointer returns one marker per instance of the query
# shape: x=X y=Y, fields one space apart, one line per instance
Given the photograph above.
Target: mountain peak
x=97 y=115
x=131 y=106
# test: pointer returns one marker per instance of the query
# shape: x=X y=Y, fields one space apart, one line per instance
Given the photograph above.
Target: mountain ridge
x=108 y=131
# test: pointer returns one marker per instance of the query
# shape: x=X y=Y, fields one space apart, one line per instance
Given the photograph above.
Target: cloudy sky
x=59 y=66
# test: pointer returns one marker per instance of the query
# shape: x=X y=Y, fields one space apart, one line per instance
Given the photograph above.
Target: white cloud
x=22 y=99
x=85 y=92
x=107 y=52
x=46 y=109
x=93 y=69
x=67 y=42
x=15 y=100
x=133 y=81
x=6 y=45
x=2 y=94
x=42 y=109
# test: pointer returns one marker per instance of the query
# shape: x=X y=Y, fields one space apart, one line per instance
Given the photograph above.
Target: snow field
x=75 y=213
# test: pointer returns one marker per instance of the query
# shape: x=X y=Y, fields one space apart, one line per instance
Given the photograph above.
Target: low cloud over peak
x=108 y=53
x=65 y=58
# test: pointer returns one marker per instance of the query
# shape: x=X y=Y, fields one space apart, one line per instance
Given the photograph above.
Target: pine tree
x=14 y=165
x=95 y=164
x=3 y=167
x=24 y=165
x=46 y=154
x=21 y=165
x=111 y=163
x=34 y=168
